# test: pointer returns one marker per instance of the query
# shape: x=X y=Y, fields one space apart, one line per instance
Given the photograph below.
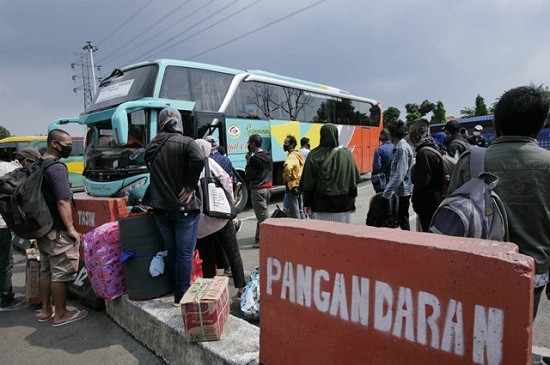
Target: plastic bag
x=196 y=272
x=250 y=300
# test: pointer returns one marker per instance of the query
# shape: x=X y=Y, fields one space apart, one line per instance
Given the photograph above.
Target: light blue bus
x=228 y=103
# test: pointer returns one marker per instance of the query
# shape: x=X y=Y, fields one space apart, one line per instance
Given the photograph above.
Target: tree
x=481 y=108
x=439 y=112
x=426 y=107
x=467 y=112
x=413 y=111
x=391 y=115
x=4 y=133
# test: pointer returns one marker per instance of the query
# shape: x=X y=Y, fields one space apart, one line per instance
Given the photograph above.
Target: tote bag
x=217 y=203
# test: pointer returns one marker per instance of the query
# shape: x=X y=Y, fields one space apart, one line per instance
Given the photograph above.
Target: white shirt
x=6 y=168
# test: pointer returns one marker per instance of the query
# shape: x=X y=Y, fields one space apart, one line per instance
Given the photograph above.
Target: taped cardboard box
x=32 y=278
x=205 y=308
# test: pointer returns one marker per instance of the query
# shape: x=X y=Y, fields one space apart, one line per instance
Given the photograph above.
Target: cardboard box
x=32 y=278
x=205 y=308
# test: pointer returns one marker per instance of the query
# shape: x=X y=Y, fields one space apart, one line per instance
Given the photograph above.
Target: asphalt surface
x=98 y=340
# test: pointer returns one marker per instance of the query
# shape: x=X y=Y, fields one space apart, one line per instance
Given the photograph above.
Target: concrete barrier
x=337 y=293
x=159 y=325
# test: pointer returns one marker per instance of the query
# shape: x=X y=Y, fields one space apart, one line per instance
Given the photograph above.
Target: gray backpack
x=473 y=210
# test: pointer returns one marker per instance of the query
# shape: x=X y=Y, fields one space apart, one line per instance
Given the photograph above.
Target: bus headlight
x=125 y=190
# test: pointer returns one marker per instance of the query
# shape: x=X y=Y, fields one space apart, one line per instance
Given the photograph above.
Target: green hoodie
x=340 y=175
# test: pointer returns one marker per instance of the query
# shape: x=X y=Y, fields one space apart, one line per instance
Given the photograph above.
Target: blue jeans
x=294 y=205
x=179 y=233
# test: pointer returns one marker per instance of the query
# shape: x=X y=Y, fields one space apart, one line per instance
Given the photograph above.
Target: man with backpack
x=259 y=173
x=428 y=174
x=23 y=159
x=59 y=253
x=381 y=163
x=456 y=145
x=523 y=170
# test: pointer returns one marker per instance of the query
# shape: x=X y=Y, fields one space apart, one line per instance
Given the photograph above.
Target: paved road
x=97 y=340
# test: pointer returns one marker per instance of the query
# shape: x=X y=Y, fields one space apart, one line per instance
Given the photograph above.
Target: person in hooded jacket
x=175 y=163
x=426 y=173
x=329 y=180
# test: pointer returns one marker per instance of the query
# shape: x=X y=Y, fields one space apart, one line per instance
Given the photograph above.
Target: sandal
x=42 y=320
x=77 y=316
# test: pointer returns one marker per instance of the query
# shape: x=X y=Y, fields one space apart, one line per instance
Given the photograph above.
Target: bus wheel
x=240 y=192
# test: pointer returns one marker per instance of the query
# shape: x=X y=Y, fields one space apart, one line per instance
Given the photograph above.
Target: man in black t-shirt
x=59 y=248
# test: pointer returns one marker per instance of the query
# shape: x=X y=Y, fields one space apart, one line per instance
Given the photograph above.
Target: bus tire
x=240 y=191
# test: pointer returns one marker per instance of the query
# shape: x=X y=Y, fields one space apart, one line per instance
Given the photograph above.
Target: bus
x=75 y=162
x=228 y=103
x=486 y=121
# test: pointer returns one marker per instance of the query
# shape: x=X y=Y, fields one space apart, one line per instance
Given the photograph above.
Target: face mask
x=286 y=148
x=65 y=151
x=477 y=134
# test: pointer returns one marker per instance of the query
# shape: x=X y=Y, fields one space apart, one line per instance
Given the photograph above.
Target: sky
x=394 y=51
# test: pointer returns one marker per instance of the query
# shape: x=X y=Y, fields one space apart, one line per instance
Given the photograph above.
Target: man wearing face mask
x=292 y=171
x=426 y=174
x=59 y=248
x=477 y=139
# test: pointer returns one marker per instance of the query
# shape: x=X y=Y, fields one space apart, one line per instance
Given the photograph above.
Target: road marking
x=542 y=351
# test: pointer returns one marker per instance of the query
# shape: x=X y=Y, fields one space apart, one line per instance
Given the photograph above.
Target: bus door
x=368 y=150
x=210 y=124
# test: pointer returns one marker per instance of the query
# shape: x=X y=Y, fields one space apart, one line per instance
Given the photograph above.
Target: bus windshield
x=105 y=160
x=124 y=86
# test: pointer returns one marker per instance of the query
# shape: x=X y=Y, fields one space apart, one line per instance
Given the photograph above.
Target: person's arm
x=65 y=209
x=195 y=165
x=377 y=162
x=397 y=176
x=451 y=149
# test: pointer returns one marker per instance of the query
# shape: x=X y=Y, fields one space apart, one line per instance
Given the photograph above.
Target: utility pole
x=84 y=76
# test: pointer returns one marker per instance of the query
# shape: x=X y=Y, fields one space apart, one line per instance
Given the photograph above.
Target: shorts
x=58 y=256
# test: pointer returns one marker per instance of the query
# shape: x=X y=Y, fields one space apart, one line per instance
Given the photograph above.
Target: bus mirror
x=120 y=126
x=62 y=121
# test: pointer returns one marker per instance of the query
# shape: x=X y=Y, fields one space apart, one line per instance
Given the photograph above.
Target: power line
x=170 y=26
x=207 y=28
x=258 y=29
x=145 y=30
x=125 y=22
x=223 y=8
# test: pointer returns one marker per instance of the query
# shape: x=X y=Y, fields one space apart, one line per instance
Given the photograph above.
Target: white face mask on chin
x=477 y=134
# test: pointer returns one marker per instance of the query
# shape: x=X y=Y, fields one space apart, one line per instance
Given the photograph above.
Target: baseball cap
x=28 y=153
x=453 y=127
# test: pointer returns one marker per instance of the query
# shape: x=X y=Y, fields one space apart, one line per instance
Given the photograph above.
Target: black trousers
x=403 y=212
x=227 y=239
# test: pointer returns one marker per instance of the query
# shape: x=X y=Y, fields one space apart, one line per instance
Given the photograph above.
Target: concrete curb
x=158 y=325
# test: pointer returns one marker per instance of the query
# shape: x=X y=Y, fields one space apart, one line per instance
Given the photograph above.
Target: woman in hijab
x=329 y=180
x=218 y=233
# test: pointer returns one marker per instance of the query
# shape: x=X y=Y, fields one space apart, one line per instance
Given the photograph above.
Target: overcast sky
x=395 y=51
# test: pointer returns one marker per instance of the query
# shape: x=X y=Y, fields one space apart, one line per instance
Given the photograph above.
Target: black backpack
x=22 y=203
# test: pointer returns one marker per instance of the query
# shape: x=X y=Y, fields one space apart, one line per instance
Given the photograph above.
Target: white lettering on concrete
x=288 y=283
x=321 y=299
x=404 y=312
x=86 y=218
x=428 y=299
x=488 y=330
x=339 y=300
x=454 y=330
x=360 y=301
x=383 y=296
x=303 y=285
x=271 y=275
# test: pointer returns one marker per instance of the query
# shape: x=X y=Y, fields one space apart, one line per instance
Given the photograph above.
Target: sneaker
x=13 y=305
x=238 y=225
x=177 y=304
x=228 y=273
x=545 y=360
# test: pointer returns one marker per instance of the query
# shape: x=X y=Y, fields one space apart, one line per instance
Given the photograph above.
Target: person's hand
x=74 y=235
x=247 y=156
x=186 y=195
x=295 y=191
x=307 y=210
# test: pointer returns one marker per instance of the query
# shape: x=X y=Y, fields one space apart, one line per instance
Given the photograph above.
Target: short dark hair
x=304 y=141
x=384 y=135
x=292 y=140
x=256 y=139
x=397 y=129
x=522 y=111
x=56 y=134
x=463 y=130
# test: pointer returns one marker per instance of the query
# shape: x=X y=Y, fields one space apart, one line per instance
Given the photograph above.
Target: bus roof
x=23 y=139
x=480 y=118
x=189 y=64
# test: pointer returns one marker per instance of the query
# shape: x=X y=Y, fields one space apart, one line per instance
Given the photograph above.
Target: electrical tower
x=84 y=76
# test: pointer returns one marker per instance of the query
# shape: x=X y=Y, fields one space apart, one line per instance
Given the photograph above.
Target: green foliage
x=467 y=112
x=4 y=132
x=391 y=115
x=481 y=108
x=426 y=107
x=438 y=115
x=413 y=111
